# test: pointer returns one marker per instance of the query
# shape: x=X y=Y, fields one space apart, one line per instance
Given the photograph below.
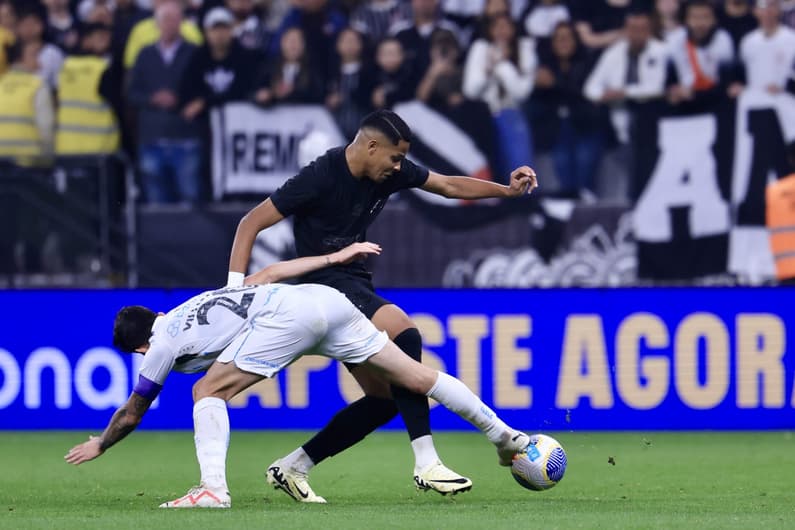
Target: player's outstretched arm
x=123 y=422
x=262 y=216
x=523 y=180
x=296 y=267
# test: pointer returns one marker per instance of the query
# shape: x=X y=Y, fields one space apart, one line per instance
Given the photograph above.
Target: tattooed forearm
x=124 y=421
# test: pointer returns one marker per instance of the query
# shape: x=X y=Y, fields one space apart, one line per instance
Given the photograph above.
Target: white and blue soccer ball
x=540 y=465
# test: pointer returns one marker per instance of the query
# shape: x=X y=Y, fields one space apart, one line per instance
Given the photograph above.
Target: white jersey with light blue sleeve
x=190 y=337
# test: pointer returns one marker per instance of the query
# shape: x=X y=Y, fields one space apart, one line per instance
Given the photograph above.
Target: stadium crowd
x=521 y=77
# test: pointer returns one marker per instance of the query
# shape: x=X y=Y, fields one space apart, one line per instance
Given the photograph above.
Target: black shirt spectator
x=249 y=28
x=221 y=70
x=61 y=25
x=441 y=89
x=373 y=18
x=351 y=83
x=564 y=121
x=396 y=81
x=599 y=22
x=738 y=19
x=291 y=78
x=126 y=15
x=320 y=23
x=415 y=36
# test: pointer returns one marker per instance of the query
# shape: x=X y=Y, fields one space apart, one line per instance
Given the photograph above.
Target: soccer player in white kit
x=249 y=333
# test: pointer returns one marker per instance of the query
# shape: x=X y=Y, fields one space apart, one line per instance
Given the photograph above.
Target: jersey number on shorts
x=240 y=309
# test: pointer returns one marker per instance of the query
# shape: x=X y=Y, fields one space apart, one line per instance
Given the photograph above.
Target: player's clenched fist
x=523 y=180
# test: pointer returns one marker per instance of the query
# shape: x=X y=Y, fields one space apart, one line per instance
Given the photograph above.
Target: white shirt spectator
x=541 y=21
x=505 y=85
x=717 y=52
x=768 y=60
x=611 y=73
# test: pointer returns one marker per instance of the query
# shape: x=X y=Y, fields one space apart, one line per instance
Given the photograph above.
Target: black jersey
x=331 y=208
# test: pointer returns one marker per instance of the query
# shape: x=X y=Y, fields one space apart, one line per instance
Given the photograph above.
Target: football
x=540 y=465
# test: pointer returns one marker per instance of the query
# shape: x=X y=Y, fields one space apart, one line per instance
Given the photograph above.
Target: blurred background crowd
x=555 y=82
x=557 y=77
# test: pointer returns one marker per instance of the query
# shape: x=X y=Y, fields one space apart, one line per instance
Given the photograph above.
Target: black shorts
x=357 y=288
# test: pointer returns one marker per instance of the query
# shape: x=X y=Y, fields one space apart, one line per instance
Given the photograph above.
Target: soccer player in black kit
x=333 y=200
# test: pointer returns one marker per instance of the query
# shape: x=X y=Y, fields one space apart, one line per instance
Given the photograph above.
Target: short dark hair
x=132 y=327
x=389 y=124
x=707 y=4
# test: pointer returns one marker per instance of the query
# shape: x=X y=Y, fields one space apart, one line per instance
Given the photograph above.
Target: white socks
x=211 y=428
x=455 y=396
x=299 y=461
x=424 y=452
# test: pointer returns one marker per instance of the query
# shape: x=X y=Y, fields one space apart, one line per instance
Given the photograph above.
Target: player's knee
x=410 y=341
x=201 y=390
x=421 y=381
x=198 y=390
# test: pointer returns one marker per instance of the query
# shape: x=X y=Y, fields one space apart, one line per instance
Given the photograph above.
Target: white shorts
x=310 y=320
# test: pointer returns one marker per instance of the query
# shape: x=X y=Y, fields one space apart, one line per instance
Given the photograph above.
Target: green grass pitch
x=658 y=480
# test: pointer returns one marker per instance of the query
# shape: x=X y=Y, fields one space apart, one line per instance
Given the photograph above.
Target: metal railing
x=45 y=191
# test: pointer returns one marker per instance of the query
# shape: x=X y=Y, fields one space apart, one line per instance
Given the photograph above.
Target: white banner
x=685 y=145
x=749 y=248
x=255 y=150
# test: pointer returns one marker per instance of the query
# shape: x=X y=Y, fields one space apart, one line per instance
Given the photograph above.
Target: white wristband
x=235 y=279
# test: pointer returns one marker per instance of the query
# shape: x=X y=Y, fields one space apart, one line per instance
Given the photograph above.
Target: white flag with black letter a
x=765 y=124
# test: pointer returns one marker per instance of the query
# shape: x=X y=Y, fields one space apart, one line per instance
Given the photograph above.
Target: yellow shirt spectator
x=146 y=32
x=6 y=39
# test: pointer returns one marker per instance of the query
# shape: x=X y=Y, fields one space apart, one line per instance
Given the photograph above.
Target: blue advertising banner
x=553 y=359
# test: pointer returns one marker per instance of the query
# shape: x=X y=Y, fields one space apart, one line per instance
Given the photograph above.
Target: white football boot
x=440 y=478
x=512 y=443
x=201 y=497
x=293 y=483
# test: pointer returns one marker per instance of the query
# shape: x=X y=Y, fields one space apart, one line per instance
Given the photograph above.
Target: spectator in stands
x=415 y=36
x=462 y=17
x=169 y=145
x=351 y=84
x=374 y=18
x=8 y=23
x=249 y=29
x=291 y=78
x=220 y=71
x=702 y=55
x=599 y=23
x=491 y=9
x=86 y=121
x=500 y=71
x=543 y=16
x=147 y=32
x=125 y=17
x=667 y=17
x=788 y=13
x=564 y=121
x=396 y=81
x=27 y=111
x=30 y=31
x=737 y=18
x=767 y=54
x=320 y=23
x=441 y=89
x=274 y=12
x=96 y=12
x=632 y=70
x=61 y=25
